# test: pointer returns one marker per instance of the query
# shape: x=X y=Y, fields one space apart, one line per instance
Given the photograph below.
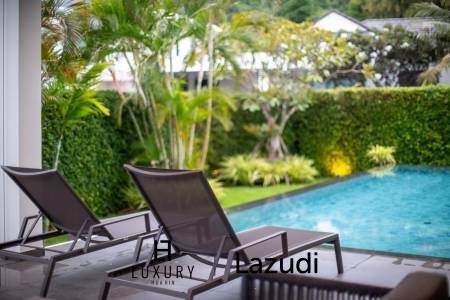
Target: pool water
x=405 y=212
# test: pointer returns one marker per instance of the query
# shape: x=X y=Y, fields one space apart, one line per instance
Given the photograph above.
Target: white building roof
x=411 y=24
x=336 y=21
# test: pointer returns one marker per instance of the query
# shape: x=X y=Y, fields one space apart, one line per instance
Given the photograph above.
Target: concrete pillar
x=20 y=109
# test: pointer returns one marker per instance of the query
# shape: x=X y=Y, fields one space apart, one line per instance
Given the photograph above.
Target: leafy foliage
x=241 y=169
x=439 y=35
x=381 y=155
x=145 y=35
x=250 y=170
x=300 y=168
x=336 y=130
x=133 y=198
x=383 y=8
x=76 y=99
x=339 y=126
x=348 y=121
x=92 y=155
x=394 y=57
x=291 y=59
x=63 y=24
x=302 y=10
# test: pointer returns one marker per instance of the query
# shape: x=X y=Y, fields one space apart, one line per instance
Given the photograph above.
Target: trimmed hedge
x=342 y=122
x=415 y=120
x=92 y=156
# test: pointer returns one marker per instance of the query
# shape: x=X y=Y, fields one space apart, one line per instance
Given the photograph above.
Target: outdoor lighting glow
x=338 y=164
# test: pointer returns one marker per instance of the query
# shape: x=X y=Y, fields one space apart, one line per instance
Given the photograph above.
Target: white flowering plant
x=393 y=55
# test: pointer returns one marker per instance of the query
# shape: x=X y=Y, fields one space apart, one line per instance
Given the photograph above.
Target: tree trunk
x=58 y=151
x=274 y=146
x=210 y=100
x=149 y=104
x=194 y=125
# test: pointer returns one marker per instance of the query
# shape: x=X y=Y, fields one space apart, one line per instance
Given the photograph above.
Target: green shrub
x=250 y=170
x=242 y=169
x=381 y=155
x=300 y=169
x=134 y=199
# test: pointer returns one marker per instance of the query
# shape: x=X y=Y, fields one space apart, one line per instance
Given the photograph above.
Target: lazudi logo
x=162 y=275
x=301 y=265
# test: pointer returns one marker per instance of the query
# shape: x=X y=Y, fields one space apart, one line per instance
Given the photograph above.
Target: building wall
x=20 y=105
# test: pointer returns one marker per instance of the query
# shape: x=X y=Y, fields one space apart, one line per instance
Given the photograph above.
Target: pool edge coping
x=295 y=192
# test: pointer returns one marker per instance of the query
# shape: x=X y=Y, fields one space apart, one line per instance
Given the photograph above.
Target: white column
x=2 y=96
x=20 y=83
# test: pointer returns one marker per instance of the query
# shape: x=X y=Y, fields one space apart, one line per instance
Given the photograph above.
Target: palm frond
x=428 y=9
x=431 y=75
x=90 y=77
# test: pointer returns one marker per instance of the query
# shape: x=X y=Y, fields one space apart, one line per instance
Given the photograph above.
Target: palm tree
x=189 y=108
x=439 y=35
x=219 y=41
x=63 y=23
x=66 y=80
x=145 y=35
x=75 y=100
x=136 y=31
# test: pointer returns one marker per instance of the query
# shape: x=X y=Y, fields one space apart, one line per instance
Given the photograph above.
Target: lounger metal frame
x=91 y=244
x=112 y=277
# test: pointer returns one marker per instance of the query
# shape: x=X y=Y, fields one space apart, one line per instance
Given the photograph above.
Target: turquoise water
x=406 y=212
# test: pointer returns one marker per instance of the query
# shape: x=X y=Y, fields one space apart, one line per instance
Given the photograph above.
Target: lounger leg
x=337 y=251
x=189 y=295
x=137 y=250
x=105 y=290
x=47 y=278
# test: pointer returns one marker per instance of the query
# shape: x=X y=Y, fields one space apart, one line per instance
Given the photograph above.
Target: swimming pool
x=406 y=212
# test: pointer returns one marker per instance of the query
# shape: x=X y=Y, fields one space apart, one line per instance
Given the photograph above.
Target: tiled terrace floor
x=81 y=277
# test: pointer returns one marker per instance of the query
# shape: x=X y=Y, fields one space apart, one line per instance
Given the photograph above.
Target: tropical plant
x=381 y=155
x=250 y=170
x=190 y=108
x=382 y=8
x=220 y=42
x=76 y=100
x=439 y=35
x=134 y=198
x=240 y=169
x=138 y=32
x=63 y=24
x=296 y=56
x=145 y=36
x=300 y=168
x=67 y=78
